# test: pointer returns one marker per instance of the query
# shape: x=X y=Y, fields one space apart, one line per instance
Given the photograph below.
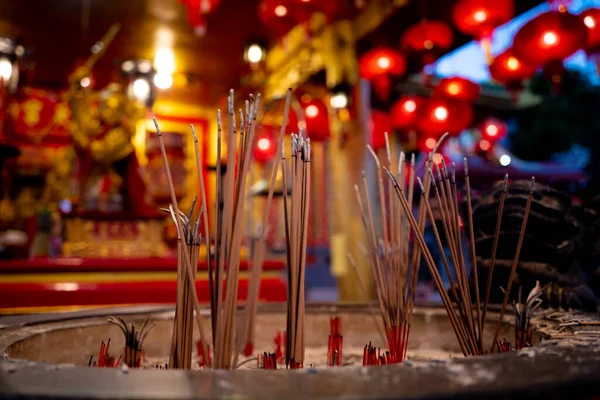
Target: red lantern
x=404 y=112
x=479 y=18
x=427 y=38
x=303 y=9
x=511 y=70
x=439 y=116
x=550 y=38
x=493 y=129
x=265 y=148
x=317 y=121
x=457 y=88
x=591 y=19
x=277 y=15
x=380 y=124
x=378 y=65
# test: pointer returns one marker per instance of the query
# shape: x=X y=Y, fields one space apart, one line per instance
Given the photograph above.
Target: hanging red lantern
x=404 y=112
x=427 y=39
x=380 y=124
x=493 y=129
x=196 y=9
x=378 y=65
x=317 y=120
x=550 y=38
x=439 y=116
x=265 y=148
x=457 y=88
x=479 y=18
x=511 y=70
x=277 y=15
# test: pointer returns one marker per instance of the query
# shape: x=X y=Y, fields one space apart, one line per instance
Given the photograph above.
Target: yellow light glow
x=164 y=60
x=312 y=111
x=550 y=38
x=5 y=69
x=410 y=106
x=512 y=63
x=430 y=143
x=264 y=144
x=281 y=10
x=440 y=113
x=383 y=62
x=428 y=44
x=255 y=53
x=339 y=101
x=141 y=89
x=589 y=22
x=163 y=80
x=453 y=89
x=437 y=157
x=480 y=16
x=85 y=82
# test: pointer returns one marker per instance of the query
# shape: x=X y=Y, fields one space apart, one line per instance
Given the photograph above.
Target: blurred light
x=163 y=80
x=485 y=145
x=428 y=44
x=128 y=66
x=305 y=98
x=264 y=144
x=164 y=60
x=480 y=16
x=437 y=157
x=97 y=47
x=589 y=22
x=562 y=8
x=512 y=63
x=410 y=106
x=145 y=66
x=383 y=62
x=430 y=143
x=85 y=82
x=66 y=287
x=491 y=130
x=505 y=160
x=255 y=53
x=65 y=206
x=550 y=38
x=281 y=11
x=312 y=111
x=453 y=88
x=441 y=113
x=19 y=50
x=339 y=101
x=5 y=69
x=141 y=89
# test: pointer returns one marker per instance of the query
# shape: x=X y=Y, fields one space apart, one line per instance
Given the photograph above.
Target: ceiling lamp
x=427 y=39
x=196 y=9
x=440 y=115
x=378 y=65
x=404 y=112
x=550 y=38
x=457 y=88
x=276 y=15
x=508 y=69
x=380 y=124
x=479 y=18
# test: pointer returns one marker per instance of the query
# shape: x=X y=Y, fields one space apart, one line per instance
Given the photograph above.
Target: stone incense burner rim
x=557 y=364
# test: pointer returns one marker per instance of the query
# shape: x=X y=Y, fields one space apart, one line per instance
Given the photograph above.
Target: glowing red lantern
x=427 y=38
x=265 y=148
x=493 y=129
x=317 y=120
x=277 y=15
x=439 y=116
x=511 y=70
x=196 y=9
x=550 y=38
x=479 y=18
x=457 y=88
x=378 y=65
x=404 y=112
x=380 y=124
x=591 y=20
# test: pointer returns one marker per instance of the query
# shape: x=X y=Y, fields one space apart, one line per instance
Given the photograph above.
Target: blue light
x=469 y=60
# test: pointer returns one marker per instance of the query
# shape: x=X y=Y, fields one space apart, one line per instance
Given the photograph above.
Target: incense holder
x=46 y=356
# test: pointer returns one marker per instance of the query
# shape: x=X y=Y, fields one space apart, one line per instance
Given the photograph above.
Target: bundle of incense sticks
x=182 y=344
x=105 y=359
x=133 y=352
x=335 y=343
x=466 y=318
x=393 y=267
x=296 y=232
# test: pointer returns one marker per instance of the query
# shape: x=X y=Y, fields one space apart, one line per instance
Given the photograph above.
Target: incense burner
x=46 y=356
